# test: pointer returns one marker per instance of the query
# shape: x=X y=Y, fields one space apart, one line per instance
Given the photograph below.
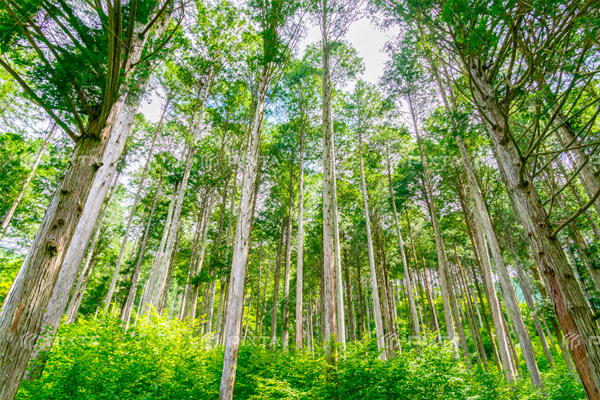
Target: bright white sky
x=363 y=35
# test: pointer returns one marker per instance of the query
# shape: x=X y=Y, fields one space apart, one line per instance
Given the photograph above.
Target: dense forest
x=198 y=202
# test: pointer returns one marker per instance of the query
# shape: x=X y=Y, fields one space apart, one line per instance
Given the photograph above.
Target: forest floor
x=161 y=359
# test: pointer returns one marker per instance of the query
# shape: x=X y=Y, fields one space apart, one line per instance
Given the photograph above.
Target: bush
x=96 y=359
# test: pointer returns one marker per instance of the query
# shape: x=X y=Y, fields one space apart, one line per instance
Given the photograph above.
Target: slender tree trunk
x=241 y=246
x=126 y=312
x=529 y=300
x=194 y=131
x=300 y=249
x=288 y=259
x=349 y=302
x=159 y=256
x=483 y=221
x=439 y=244
x=277 y=280
x=257 y=320
x=359 y=296
x=374 y=285
x=339 y=290
x=136 y=199
x=189 y=289
x=11 y=211
x=163 y=300
x=411 y=299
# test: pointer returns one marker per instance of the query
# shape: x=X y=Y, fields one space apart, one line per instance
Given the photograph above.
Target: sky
x=362 y=35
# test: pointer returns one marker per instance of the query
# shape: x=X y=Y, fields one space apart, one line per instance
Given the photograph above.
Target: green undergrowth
x=158 y=359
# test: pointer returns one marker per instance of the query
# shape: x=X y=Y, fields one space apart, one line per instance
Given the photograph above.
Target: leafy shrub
x=157 y=359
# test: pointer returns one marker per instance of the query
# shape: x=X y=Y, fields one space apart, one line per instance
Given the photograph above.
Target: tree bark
x=276 y=282
x=329 y=307
x=568 y=299
x=288 y=259
x=241 y=245
x=136 y=199
x=146 y=303
x=86 y=270
x=483 y=221
x=374 y=285
x=126 y=312
x=349 y=302
x=411 y=300
x=439 y=244
x=300 y=246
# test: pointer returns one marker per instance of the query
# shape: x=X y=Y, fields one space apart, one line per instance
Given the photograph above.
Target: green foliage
x=9 y=266
x=161 y=359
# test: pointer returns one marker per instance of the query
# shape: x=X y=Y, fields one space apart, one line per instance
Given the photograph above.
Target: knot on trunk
x=52 y=248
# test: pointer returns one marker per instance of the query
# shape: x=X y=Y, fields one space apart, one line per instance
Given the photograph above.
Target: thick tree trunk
x=8 y=217
x=241 y=246
x=374 y=285
x=86 y=270
x=29 y=297
x=329 y=329
x=568 y=299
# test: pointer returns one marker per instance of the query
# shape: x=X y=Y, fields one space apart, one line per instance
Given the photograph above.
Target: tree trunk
x=411 y=299
x=339 y=289
x=300 y=249
x=374 y=285
x=29 y=297
x=351 y=319
x=288 y=259
x=276 y=281
x=136 y=199
x=86 y=270
x=126 y=312
x=146 y=303
x=194 y=131
x=241 y=246
x=439 y=244
x=568 y=299
x=483 y=221
x=329 y=307
x=359 y=296
x=257 y=320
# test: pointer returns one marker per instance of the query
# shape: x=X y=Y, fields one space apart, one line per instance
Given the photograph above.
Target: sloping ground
x=96 y=359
